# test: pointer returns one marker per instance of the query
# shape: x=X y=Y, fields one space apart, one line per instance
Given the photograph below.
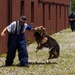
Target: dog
x=43 y=40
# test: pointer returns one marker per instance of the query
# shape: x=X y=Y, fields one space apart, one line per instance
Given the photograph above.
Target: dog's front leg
x=37 y=49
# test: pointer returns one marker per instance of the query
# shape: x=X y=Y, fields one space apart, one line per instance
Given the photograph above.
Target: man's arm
x=31 y=28
x=3 y=32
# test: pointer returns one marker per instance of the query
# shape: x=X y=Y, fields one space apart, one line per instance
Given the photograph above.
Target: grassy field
x=64 y=65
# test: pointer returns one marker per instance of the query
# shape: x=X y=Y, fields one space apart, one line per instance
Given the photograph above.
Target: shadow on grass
x=40 y=62
x=31 y=63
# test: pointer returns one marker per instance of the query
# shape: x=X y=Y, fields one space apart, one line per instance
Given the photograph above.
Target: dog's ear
x=42 y=28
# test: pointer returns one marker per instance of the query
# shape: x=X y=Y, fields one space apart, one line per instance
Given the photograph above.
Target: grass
x=64 y=65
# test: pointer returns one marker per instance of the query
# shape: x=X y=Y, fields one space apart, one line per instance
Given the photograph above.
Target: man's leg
x=23 y=54
x=11 y=51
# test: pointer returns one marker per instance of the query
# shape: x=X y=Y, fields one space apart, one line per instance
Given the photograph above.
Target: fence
x=52 y=14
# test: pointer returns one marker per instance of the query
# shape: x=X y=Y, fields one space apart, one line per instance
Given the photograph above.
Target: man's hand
x=2 y=34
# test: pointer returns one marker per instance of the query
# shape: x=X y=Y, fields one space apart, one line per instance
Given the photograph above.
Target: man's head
x=22 y=20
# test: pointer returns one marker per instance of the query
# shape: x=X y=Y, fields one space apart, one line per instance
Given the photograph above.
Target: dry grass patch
x=64 y=65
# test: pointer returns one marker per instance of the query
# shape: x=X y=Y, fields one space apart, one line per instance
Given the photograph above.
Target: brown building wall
x=0 y=26
x=3 y=24
x=15 y=9
x=52 y=14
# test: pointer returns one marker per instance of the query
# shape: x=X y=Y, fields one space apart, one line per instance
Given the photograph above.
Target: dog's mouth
x=36 y=34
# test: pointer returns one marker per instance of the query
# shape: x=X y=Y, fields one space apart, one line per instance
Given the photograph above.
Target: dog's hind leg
x=53 y=54
x=56 y=52
x=50 y=53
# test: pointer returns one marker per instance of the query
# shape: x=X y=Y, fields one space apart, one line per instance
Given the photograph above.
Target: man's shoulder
x=14 y=22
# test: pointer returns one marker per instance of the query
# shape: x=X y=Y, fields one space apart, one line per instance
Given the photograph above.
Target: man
x=72 y=21
x=16 y=40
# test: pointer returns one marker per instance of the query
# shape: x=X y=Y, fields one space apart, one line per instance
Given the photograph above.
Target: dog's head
x=39 y=31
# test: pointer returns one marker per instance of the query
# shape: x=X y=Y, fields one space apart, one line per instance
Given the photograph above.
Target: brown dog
x=44 y=40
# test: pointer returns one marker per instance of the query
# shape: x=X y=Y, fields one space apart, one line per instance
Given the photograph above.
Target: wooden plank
x=5 y=23
x=15 y=9
x=0 y=26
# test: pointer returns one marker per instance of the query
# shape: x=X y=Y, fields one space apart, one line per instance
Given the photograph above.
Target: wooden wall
x=52 y=14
